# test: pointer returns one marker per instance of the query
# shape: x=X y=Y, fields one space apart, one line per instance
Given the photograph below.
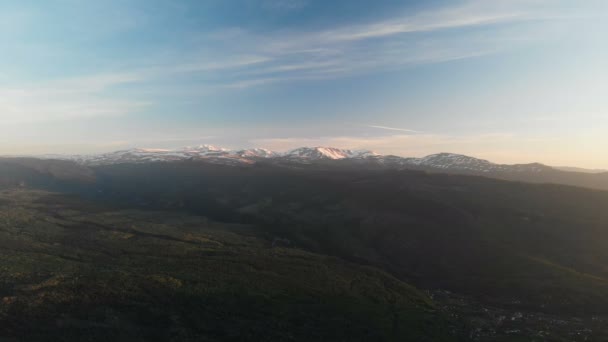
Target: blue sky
x=511 y=81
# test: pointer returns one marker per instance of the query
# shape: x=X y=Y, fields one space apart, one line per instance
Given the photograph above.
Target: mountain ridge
x=441 y=160
x=323 y=157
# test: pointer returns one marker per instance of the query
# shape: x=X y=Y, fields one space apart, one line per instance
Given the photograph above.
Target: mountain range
x=362 y=159
x=304 y=155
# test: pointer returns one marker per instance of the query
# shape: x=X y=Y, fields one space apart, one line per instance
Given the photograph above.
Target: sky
x=510 y=81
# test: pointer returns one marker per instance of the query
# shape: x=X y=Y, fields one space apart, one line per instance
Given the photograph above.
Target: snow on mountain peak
x=205 y=148
x=257 y=153
x=213 y=154
x=151 y=150
x=443 y=160
x=319 y=152
x=363 y=154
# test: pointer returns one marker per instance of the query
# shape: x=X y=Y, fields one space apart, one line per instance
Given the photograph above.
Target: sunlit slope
x=72 y=271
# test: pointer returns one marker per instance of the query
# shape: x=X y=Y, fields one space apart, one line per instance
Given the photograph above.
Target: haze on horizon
x=508 y=81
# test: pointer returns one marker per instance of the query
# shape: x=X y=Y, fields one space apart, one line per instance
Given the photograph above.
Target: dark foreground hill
x=72 y=271
x=502 y=259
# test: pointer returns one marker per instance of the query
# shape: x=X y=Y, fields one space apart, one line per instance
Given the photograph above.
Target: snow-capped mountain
x=445 y=160
x=325 y=157
x=441 y=162
x=257 y=153
x=127 y=156
x=459 y=162
x=317 y=153
x=143 y=155
x=216 y=154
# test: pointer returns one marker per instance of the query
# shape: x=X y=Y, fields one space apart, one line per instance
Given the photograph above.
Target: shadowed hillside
x=73 y=271
x=498 y=248
x=43 y=173
x=497 y=239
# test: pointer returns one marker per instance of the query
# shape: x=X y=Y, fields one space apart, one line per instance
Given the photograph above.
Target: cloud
x=240 y=59
x=250 y=83
x=394 y=129
x=392 y=43
x=65 y=99
x=419 y=23
x=235 y=58
x=234 y=63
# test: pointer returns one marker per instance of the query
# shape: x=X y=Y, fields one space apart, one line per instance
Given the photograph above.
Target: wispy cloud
x=381 y=45
x=240 y=59
x=253 y=60
x=250 y=83
x=394 y=129
x=210 y=65
x=63 y=99
x=442 y=20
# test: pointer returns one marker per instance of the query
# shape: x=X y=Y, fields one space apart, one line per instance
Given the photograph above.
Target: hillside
x=74 y=271
x=451 y=225
x=483 y=248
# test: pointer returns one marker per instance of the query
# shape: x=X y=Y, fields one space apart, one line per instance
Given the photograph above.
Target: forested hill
x=518 y=247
